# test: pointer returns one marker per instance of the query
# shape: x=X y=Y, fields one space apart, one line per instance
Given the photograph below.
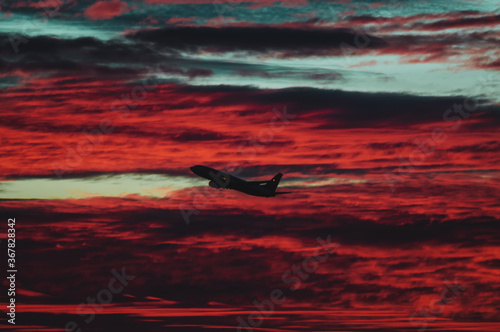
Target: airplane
x=219 y=179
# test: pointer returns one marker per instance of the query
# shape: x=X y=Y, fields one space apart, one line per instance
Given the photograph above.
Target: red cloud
x=104 y=10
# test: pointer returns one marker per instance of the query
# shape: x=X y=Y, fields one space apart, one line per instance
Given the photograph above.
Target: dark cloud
x=389 y=146
x=481 y=21
x=492 y=65
x=293 y=42
x=490 y=146
x=347 y=109
x=77 y=55
x=185 y=135
x=492 y=264
x=254 y=72
x=331 y=76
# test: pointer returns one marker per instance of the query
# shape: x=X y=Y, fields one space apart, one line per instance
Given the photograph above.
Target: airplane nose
x=196 y=169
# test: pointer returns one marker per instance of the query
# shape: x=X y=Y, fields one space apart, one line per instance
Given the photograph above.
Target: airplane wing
x=273 y=182
x=283 y=192
x=258 y=183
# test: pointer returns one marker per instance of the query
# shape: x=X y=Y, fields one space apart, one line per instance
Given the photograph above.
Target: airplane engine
x=213 y=184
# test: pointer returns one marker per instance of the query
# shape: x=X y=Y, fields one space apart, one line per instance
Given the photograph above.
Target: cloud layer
x=383 y=118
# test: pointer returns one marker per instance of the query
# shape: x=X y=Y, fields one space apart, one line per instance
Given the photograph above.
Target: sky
x=383 y=116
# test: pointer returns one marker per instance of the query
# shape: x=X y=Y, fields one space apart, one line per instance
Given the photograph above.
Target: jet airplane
x=219 y=179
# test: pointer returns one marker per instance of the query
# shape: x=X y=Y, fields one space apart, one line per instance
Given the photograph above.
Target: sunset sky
x=384 y=118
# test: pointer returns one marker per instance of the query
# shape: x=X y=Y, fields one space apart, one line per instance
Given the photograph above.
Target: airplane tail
x=273 y=184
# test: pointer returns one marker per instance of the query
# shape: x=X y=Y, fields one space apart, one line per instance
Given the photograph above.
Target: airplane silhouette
x=220 y=179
